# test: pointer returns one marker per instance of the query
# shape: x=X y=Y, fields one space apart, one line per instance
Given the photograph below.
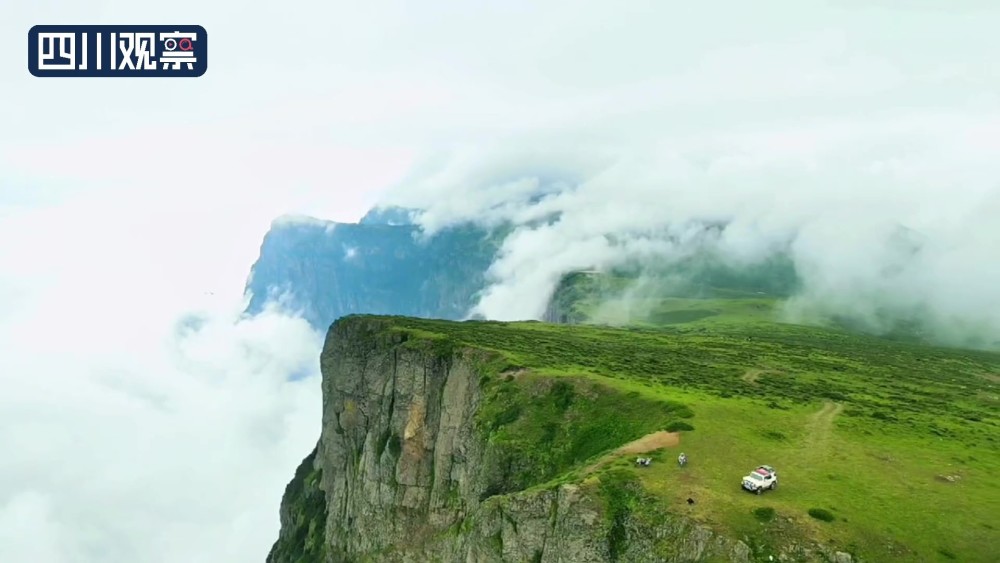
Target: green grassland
x=893 y=446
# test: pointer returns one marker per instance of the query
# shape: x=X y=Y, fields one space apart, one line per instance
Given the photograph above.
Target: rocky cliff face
x=398 y=439
x=410 y=467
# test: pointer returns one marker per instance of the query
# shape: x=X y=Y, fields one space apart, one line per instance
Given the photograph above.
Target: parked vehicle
x=761 y=478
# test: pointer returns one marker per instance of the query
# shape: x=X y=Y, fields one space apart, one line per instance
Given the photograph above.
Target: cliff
x=434 y=448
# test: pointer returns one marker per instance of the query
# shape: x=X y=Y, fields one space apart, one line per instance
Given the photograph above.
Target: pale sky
x=130 y=205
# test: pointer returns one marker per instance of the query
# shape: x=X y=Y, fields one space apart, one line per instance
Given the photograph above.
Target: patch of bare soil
x=752 y=375
x=991 y=377
x=514 y=374
x=647 y=443
x=650 y=442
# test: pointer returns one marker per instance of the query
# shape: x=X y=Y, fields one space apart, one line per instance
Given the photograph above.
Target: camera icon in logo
x=178 y=49
x=184 y=44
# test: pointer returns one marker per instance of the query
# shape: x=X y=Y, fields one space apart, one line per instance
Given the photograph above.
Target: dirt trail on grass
x=820 y=424
x=752 y=375
x=647 y=443
x=650 y=442
x=514 y=374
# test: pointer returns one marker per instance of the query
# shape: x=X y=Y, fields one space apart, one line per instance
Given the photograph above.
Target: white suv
x=764 y=477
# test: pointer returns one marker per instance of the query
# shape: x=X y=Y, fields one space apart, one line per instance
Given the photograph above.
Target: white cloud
x=143 y=419
x=834 y=194
x=816 y=131
x=305 y=220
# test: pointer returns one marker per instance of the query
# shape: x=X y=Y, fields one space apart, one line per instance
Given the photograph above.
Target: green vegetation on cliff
x=903 y=387
x=878 y=436
x=303 y=518
x=544 y=427
x=508 y=437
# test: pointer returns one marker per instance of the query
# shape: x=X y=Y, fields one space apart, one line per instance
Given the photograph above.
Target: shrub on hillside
x=764 y=513
x=678 y=425
x=822 y=514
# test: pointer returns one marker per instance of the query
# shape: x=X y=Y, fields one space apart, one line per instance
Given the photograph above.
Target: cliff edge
x=433 y=449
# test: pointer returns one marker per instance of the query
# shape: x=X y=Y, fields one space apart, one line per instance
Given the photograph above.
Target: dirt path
x=647 y=443
x=514 y=374
x=752 y=374
x=820 y=425
x=650 y=442
x=991 y=377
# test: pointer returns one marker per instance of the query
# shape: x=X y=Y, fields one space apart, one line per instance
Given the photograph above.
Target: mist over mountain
x=324 y=270
x=445 y=262
x=883 y=222
x=393 y=216
x=780 y=146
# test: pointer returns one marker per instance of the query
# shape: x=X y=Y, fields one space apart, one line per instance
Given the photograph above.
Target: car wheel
x=759 y=490
x=773 y=485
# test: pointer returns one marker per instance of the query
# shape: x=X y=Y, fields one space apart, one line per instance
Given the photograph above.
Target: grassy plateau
x=884 y=448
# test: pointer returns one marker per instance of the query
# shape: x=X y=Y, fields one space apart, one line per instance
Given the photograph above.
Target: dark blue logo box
x=118 y=50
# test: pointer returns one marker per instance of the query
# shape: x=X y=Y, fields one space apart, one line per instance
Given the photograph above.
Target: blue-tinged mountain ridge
x=382 y=265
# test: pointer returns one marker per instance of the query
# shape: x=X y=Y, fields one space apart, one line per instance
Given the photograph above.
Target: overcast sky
x=129 y=207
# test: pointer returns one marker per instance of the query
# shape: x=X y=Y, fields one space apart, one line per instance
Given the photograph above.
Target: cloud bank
x=891 y=216
x=813 y=131
x=143 y=419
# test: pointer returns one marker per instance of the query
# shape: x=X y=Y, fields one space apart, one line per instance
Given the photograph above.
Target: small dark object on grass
x=690 y=500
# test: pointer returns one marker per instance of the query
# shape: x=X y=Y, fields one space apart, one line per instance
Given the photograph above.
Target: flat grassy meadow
x=884 y=448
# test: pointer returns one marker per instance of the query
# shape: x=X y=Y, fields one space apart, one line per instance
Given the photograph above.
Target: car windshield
x=756 y=476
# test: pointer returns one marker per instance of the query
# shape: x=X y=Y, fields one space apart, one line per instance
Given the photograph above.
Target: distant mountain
x=389 y=216
x=382 y=265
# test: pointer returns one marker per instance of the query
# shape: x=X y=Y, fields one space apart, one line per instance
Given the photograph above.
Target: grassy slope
x=863 y=427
